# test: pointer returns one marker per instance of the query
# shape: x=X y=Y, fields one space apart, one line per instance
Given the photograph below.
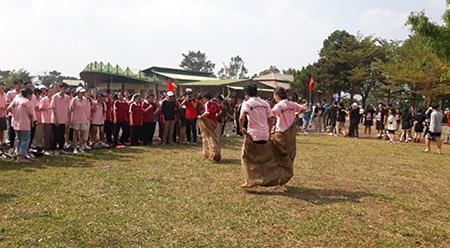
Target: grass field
x=345 y=193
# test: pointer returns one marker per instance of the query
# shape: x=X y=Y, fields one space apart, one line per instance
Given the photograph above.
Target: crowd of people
x=387 y=121
x=42 y=120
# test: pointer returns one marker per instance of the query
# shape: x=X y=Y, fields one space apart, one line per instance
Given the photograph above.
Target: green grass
x=345 y=193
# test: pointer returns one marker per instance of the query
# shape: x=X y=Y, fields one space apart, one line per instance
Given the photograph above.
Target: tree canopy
x=234 y=70
x=197 y=61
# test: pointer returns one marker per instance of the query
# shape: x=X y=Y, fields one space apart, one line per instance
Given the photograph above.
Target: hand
x=243 y=130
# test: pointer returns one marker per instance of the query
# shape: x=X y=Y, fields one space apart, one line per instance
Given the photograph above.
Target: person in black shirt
x=333 y=113
x=354 y=121
x=407 y=124
x=419 y=120
x=380 y=120
x=341 y=115
x=368 y=120
x=168 y=109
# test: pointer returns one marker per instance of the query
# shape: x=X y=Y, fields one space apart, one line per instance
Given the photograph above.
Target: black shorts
x=3 y=125
x=380 y=125
x=391 y=131
x=433 y=136
x=97 y=125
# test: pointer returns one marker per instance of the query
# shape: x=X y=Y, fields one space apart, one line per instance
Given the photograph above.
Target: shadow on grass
x=5 y=197
x=318 y=196
x=233 y=161
x=82 y=160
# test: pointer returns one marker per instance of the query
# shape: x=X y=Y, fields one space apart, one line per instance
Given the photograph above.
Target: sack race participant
x=207 y=123
x=268 y=162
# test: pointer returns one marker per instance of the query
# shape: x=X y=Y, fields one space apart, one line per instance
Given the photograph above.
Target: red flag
x=311 y=84
x=170 y=86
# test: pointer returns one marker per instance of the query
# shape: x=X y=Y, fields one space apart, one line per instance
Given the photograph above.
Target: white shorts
x=80 y=127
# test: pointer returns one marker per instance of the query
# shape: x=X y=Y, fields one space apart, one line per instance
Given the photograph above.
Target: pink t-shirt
x=88 y=109
x=46 y=110
x=258 y=112
x=61 y=106
x=10 y=97
x=285 y=112
x=78 y=110
x=22 y=114
x=2 y=105
x=35 y=104
x=99 y=114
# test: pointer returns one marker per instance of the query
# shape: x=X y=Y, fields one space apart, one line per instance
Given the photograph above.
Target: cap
x=355 y=104
x=41 y=87
x=169 y=93
x=80 y=89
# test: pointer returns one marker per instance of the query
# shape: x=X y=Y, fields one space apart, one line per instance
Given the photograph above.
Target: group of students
x=412 y=124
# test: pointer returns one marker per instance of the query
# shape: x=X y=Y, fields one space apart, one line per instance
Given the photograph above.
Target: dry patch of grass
x=345 y=193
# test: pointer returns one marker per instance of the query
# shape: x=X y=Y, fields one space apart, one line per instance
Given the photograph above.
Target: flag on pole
x=170 y=85
x=311 y=84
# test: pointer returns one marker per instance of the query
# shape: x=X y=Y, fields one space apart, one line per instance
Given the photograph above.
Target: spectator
x=168 y=109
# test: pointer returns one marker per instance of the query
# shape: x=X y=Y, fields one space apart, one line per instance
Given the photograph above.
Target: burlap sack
x=269 y=164
x=210 y=141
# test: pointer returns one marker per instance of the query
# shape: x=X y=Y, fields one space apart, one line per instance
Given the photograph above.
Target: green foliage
x=11 y=76
x=272 y=68
x=415 y=70
x=234 y=70
x=197 y=61
x=53 y=77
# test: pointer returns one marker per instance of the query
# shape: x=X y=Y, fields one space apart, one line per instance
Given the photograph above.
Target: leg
x=152 y=132
x=11 y=133
x=170 y=131
x=194 y=130
x=439 y=144
x=165 y=132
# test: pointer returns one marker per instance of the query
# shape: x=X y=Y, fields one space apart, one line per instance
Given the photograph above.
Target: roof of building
x=73 y=82
x=216 y=82
x=276 y=77
x=107 y=71
x=179 y=74
x=184 y=77
x=276 y=84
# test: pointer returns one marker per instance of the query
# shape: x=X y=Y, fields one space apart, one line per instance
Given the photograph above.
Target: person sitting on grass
x=23 y=117
x=435 y=129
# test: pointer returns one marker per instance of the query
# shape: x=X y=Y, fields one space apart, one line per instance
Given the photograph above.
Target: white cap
x=169 y=93
x=355 y=104
x=42 y=87
x=80 y=89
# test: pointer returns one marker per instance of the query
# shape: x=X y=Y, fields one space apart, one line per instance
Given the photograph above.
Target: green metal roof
x=119 y=72
x=184 y=77
x=216 y=82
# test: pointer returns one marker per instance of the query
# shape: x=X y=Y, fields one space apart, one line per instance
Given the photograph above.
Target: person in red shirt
x=109 y=124
x=120 y=110
x=447 y=111
x=208 y=125
x=150 y=107
x=190 y=103
x=136 y=119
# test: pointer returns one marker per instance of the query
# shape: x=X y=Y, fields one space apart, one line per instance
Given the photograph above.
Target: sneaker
x=75 y=150
x=67 y=146
x=86 y=147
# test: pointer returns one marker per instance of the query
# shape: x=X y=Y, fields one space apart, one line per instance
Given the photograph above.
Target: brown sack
x=269 y=164
x=210 y=141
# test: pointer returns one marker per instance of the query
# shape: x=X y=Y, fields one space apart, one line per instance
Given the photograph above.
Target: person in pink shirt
x=98 y=121
x=18 y=85
x=79 y=119
x=46 y=109
x=88 y=110
x=38 y=138
x=259 y=115
x=285 y=111
x=3 y=125
x=22 y=121
x=60 y=116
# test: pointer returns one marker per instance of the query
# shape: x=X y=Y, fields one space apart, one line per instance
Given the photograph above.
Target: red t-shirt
x=191 y=111
x=448 y=119
x=148 y=116
x=109 y=110
x=121 y=109
x=137 y=113
x=212 y=108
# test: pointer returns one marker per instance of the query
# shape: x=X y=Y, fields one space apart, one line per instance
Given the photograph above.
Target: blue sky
x=41 y=35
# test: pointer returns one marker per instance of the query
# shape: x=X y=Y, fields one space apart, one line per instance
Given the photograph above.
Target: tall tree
x=20 y=74
x=272 y=68
x=197 y=61
x=416 y=70
x=435 y=36
x=234 y=70
x=53 y=77
x=290 y=71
